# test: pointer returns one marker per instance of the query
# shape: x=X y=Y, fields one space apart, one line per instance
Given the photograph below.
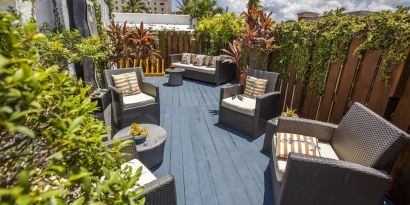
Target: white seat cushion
x=245 y=105
x=146 y=175
x=137 y=100
x=326 y=151
x=202 y=69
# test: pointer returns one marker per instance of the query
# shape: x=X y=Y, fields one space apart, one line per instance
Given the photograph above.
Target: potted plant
x=290 y=113
x=139 y=133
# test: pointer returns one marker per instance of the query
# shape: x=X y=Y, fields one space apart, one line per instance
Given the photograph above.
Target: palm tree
x=255 y=3
x=199 y=8
x=135 y=6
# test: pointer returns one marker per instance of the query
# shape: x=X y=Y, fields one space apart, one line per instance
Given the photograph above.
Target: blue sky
x=287 y=9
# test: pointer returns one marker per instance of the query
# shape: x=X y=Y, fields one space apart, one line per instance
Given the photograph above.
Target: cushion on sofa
x=137 y=100
x=207 y=59
x=213 y=60
x=326 y=151
x=146 y=175
x=296 y=143
x=193 y=58
x=199 y=60
x=202 y=69
x=186 y=58
x=240 y=104
x=127 y=83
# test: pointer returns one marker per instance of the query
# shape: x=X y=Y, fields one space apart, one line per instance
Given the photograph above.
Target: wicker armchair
x=252 y=123
x=144 y=112
x=364 y=143
x=161 y=191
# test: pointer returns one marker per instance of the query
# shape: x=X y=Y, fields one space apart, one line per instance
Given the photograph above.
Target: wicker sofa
x=223 y=71
x=352 y=170
x=157 y=191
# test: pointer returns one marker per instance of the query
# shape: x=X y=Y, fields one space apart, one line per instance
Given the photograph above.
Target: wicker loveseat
x=221 y=73
x=352 y=170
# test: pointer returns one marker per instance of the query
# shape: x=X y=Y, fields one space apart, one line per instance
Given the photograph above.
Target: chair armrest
x=151 y=90
x=322 y=130
x=230 y=91
x=326 y=181
x=175 y=58
x=267 y=106
x=161 y=191
x=116 y=95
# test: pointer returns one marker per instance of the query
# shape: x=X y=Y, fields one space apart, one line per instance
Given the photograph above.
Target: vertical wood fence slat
x=364 y=77
x=346 y=81
x=328 y=95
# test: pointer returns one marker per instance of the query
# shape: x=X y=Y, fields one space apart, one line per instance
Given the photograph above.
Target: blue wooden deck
x=211 y=163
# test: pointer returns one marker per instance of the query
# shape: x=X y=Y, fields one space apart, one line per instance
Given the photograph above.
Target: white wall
x=135 y=18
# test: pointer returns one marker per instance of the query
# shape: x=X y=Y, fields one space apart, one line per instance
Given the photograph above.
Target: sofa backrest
x=270 y=76
x=365 y=138
x=109 y=73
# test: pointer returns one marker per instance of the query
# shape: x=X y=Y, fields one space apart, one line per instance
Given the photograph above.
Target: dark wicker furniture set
x=366 y=145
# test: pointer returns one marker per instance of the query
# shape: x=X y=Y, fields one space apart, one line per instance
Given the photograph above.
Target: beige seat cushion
x=137 y=100
x=202 y=69
x=146 y=175
x=255 y=86
x=326 y=151
x=246 y=105
x=127 y=83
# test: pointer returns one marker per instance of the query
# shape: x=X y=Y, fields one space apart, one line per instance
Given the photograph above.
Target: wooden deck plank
x=212 y=164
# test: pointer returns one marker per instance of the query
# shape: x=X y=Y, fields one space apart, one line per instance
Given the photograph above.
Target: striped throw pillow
x=127 y=83
x=255 y=87
x=288 y=142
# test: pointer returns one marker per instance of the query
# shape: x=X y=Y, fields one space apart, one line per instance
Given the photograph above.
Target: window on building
x=155 y=3
x=162 y=9
x=162 y=4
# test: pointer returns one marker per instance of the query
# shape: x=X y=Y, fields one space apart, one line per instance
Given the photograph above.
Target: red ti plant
x=234 y=55
x=132 y=43
x=143 y=42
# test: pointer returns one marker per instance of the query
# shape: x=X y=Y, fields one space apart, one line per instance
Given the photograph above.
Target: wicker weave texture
x=313 y=180
x=365 y=138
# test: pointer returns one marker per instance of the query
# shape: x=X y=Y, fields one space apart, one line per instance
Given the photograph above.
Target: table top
x=176 y=70
x=156 y=136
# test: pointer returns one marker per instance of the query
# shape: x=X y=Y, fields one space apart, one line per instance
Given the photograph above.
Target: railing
x=149 y=68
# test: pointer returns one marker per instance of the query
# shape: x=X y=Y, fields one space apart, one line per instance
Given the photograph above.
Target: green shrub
x=218 y=31
x=50 y=142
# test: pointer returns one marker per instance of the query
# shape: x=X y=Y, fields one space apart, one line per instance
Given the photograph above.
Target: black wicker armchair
x=160 y=191
x=365 y=147
x=251 y=119
x=127 y=111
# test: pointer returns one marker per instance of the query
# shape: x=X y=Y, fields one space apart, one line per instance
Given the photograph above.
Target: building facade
x=154 y=6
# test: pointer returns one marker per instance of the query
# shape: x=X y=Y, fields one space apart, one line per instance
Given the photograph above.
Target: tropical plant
x=218 y=31
x=289 y=113
x=135 y=6
x=132 y=43
x=137 y=130
x=254 y=3
x=234 y=55
x=52 y=149
x=199 y=9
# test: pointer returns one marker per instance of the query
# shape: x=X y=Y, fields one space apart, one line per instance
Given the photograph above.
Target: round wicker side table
x=150 y=152
x=175 y=76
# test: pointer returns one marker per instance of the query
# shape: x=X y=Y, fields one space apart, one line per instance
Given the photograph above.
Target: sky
x=287 y=9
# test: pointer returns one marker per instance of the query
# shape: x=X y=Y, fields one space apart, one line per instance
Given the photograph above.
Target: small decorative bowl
x=139 y=139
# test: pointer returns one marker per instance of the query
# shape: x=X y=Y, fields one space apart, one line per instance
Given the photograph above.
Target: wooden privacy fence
x=358 y=80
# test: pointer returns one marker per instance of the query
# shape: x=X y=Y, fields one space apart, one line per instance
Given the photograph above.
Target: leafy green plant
x=52 y=145
x=137 y=130
x=135 y=6
x=218 y=31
